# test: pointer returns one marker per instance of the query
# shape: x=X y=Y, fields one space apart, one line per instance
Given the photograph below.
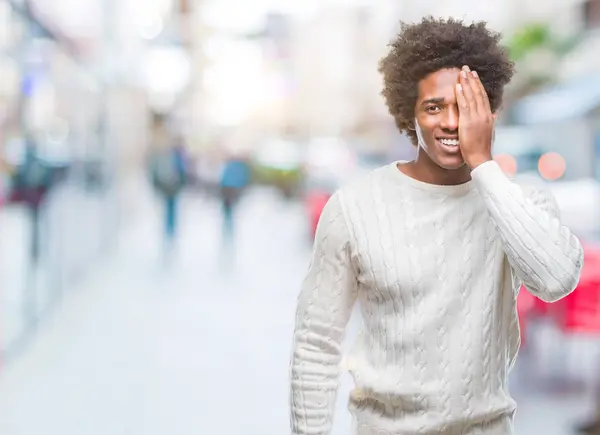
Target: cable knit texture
x=436 y=271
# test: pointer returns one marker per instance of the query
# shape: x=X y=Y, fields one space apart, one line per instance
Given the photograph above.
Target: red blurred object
x=315 y=202
x=578 y=312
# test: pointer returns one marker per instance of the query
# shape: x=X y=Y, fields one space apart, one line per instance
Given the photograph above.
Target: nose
x=450 y=119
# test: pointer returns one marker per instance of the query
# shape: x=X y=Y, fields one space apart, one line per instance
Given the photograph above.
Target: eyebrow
x=436 y=100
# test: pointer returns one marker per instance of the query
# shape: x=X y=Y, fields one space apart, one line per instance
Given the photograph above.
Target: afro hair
x=434 y=44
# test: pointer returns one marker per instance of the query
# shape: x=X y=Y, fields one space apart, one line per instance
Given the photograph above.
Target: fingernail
x=475 y=74
x=466 y=68
x=464 y=73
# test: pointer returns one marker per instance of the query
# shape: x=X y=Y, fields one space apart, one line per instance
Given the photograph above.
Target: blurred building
x=564 y=113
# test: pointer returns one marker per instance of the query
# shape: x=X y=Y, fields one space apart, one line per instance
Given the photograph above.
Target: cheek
x=425 y=136
x=427 y=128
x=430 y=119
x=428 y=123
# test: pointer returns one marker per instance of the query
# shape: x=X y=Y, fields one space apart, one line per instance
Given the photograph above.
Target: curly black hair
x=434 y=44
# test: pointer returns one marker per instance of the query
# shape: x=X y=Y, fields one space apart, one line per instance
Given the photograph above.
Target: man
x=435 y=250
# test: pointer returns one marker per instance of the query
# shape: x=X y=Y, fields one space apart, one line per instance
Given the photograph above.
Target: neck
x=425 y=170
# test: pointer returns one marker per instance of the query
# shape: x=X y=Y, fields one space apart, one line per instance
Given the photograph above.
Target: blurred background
x=163 y=167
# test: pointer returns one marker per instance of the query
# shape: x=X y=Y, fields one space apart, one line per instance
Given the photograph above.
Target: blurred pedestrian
x=168 y=169
x=435 y=250
x=235 y=178
x=32 y=181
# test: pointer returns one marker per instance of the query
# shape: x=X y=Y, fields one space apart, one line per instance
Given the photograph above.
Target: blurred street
x=144 y=349
x=200 y=345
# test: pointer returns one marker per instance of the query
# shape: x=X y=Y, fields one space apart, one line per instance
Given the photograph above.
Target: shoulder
x=359 y=199
x=360 y=188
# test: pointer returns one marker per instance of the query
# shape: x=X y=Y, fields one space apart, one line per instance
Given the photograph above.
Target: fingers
x=467 y=89
x=471 y=95
x=461 y=101
x=483 y=102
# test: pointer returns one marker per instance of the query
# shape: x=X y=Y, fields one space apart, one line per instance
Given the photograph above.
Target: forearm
x=544 y=253
x=324 y=307
x=314 y=382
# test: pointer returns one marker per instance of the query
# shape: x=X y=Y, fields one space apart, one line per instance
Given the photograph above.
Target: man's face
x=436 y=113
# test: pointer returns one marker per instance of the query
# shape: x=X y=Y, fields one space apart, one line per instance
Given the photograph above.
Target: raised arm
x=543 y=252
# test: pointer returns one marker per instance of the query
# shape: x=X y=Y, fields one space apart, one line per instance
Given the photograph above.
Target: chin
x=450 y=164
x=449 y=161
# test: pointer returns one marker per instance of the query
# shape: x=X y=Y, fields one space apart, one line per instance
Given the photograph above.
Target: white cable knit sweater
x=436 y=271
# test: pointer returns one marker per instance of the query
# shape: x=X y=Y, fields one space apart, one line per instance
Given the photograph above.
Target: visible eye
x=433 y=109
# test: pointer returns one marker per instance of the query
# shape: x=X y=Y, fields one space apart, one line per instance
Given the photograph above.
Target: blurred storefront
x=65 y=99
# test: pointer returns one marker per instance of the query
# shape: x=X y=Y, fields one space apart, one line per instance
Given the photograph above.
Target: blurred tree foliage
x=528 y=38
x=534 y=36
x=536 y=50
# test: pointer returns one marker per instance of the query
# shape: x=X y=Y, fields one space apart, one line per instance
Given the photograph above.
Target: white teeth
x=450 y=142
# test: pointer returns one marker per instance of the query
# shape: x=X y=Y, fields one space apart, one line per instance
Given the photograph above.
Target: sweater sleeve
x=542 y=252
x=324 y=307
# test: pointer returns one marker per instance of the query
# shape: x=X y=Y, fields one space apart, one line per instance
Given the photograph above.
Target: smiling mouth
x=449 y=142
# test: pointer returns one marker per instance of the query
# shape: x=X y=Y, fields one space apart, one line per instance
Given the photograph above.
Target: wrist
x=474 y=161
